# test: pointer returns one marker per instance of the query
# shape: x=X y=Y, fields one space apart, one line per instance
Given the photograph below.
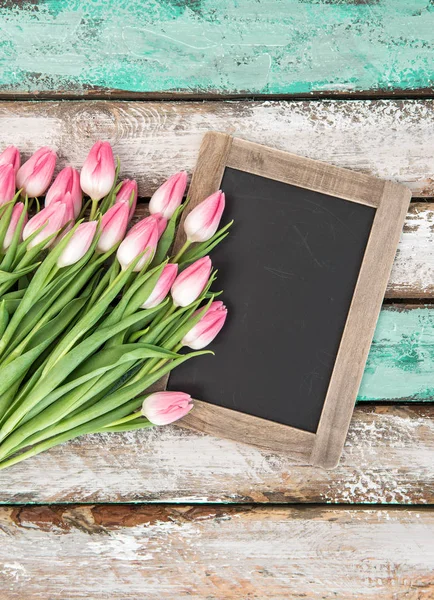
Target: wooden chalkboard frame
x=323 y=448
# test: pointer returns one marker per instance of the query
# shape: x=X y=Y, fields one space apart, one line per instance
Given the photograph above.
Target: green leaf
x=204 y=248
x=92 y=316
x=167 y=238
x=58 y=294
x=35 y=289
x=14 y=370
x=4 y=317
x=132 y=426
x=6 y=277
x=12 y=250
x=98 y=365
x=7 y=398
x=137 y=294
x=65 y=364
x=5 y=219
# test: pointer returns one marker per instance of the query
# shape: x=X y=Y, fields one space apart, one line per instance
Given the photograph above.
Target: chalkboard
x=304 y=271
x=288 y=270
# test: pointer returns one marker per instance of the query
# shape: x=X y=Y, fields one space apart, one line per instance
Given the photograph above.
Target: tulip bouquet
x=92 y=315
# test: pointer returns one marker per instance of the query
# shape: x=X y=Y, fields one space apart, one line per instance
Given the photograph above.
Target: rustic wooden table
x=174 y=514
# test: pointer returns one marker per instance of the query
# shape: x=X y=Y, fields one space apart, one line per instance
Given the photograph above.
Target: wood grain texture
x=360 y=325
x=389 y=139
x=388 y=458
x=217 y=553
x=208 y=47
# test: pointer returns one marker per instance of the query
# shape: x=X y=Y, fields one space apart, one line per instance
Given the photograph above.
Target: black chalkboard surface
x=304 y=271
x=288 y=271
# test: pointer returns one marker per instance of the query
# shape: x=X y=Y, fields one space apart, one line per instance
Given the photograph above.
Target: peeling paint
x=252 y=552
x=291 y=47
x=400 y=365
x=388 y=457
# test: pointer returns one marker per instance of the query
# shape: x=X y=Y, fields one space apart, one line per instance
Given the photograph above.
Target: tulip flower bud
x=7 y=183
x=161 y=223
x=78 y=244
x=189 y=284
x=169 y=195
x=202 y=222
x=35 y=175
x=162 y=408
x=53 y=217
x=67 y=181
x=144 y=235
x=162 y=286
x=128 y=187
x=15 y=217
x=207 y=328
x=98 y=172
x=11 y=156
x=68 y=219
x=113 y=227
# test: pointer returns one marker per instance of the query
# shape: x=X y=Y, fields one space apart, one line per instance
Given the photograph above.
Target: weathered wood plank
x=390 y=139
x=217 y=553
x=208 y=47
x=400 y=364
x=388 y=458
x=412 y=274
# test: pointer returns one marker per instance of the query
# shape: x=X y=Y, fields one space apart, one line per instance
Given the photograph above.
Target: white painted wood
x=412 y=274
x=392 y=139
x=388 y=458
x=278 y=553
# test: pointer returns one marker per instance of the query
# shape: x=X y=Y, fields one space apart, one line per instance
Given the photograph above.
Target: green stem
x=181 y=252
x=132 y=417
x=93 y=209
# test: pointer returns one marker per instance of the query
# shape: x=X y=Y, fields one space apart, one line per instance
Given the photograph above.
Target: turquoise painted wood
x=216 y=46
x=401 y=360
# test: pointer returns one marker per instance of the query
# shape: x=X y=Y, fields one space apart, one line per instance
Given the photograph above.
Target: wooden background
x=174 y=514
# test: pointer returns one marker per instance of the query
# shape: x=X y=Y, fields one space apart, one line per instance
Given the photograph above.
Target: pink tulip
x=98 y=172
x=162 y=408
x=67 y=181
x=15 y=217
x=35 y=175
x=68 y=220
x=202 y=222
x=189 y=284
x=113 y=227
x=7 y=184
x=169 y=195
x=162 y=286
x=53 y=217
x=161 y=223
x=128 y=187
x=78 y=244
x=68 y=202
x=11 y=156
x=207 y=328
x=144 y=235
